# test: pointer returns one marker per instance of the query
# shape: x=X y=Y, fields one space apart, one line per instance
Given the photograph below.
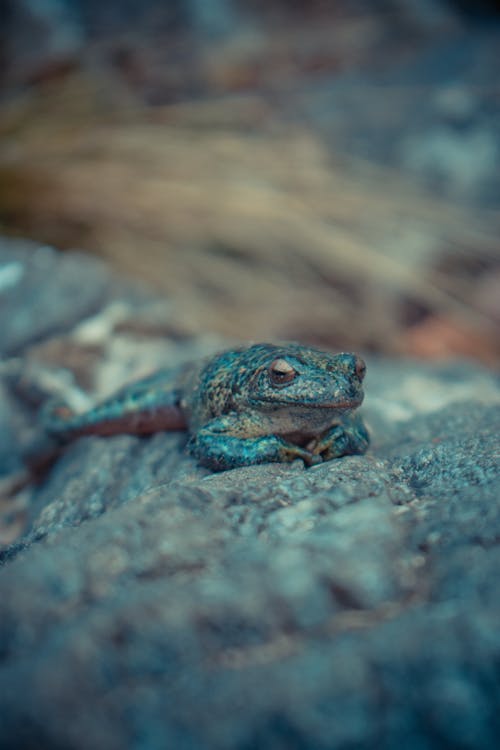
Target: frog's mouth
x=345 y=405
x=337 y=405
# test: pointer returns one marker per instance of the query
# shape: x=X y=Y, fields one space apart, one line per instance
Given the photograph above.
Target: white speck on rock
x=99 y=327
x=10 y=275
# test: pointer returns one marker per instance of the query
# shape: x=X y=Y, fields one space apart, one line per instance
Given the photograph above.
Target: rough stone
x=38 y=38
x=43 y=293
x=152 y=604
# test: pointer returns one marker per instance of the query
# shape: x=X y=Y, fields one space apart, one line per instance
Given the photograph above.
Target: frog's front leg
x=222 y=445
x=348 y=437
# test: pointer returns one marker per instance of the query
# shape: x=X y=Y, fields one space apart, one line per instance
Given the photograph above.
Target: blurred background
x=323 y=171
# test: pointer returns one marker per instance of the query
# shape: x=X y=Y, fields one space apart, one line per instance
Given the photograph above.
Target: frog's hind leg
x=148 y=406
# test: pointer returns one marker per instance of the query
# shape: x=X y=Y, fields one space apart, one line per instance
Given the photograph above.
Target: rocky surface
x=152 y=604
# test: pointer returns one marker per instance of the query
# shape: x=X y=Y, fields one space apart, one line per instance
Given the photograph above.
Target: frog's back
x=209 y=387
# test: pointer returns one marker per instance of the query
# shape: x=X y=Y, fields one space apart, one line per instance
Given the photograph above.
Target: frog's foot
x=289 y=452
x=218 y=448
x=350 y=437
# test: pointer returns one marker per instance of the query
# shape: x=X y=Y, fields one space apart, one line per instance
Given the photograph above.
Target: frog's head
x=297 y=376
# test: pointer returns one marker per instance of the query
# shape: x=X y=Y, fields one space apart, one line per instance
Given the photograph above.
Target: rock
x=43 y=293
x=39 y=38
x=431 y=116
x=153 y=604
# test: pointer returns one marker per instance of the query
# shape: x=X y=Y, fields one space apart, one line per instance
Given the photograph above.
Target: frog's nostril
x=360 y=368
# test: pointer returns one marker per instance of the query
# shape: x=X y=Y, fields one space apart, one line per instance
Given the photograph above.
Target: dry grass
x=254 y=230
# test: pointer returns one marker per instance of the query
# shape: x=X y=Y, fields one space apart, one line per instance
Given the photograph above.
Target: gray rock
x=39 y=36
x=43 y=293
x=433 y=115
x=152 y=604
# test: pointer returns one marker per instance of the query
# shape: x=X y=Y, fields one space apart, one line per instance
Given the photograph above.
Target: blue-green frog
x=251 y=405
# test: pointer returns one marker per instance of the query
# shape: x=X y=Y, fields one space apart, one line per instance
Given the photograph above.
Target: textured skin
x=259 y=404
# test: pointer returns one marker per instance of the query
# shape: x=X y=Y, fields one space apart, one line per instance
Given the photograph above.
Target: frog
x=254 y=404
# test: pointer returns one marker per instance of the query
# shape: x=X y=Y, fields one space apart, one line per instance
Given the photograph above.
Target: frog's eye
x=360 y=368
x=281 y=372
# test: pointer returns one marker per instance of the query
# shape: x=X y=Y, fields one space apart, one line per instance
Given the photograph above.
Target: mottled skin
x=257 y=404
